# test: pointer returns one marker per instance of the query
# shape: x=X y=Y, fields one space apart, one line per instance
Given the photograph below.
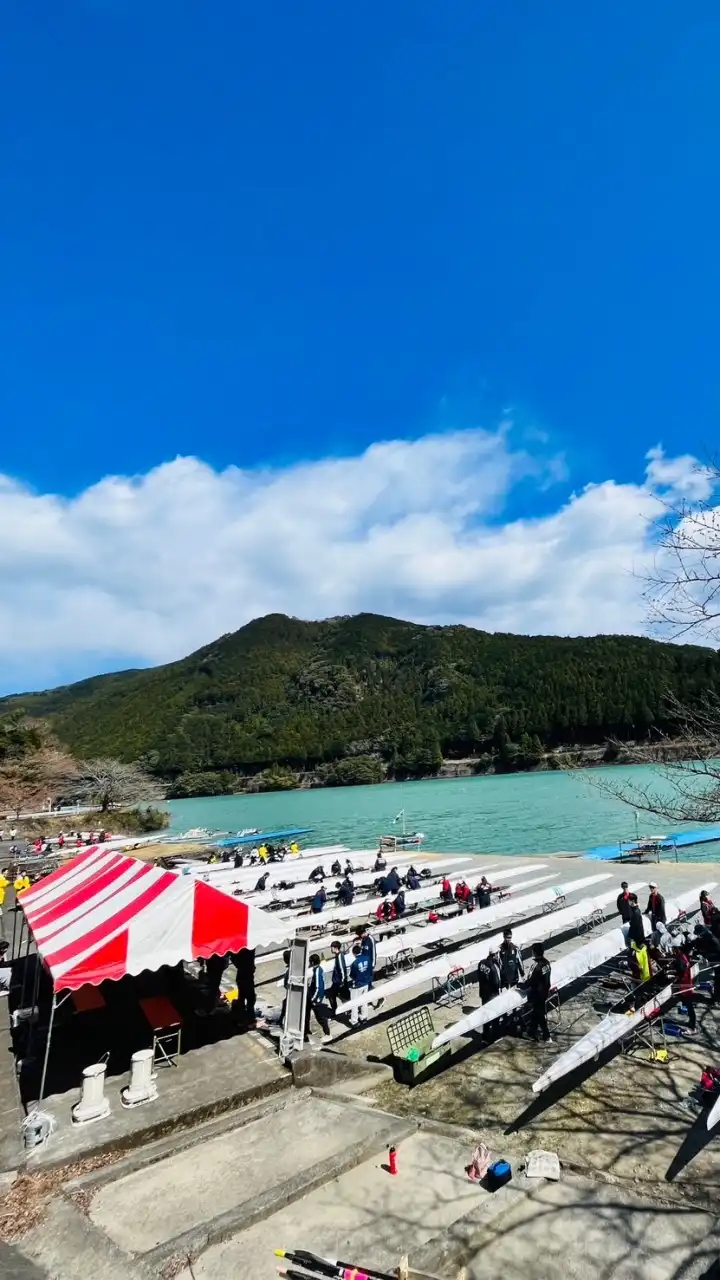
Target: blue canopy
x=262 y=837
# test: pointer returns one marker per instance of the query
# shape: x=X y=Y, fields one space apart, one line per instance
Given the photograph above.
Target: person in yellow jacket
x=263 y=853
x=295 y=848
x=4 y=882
x=21 y=883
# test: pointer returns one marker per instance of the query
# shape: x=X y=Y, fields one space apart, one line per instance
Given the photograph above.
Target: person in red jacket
x=446 y=892
x=686 y=983
x=464 y=896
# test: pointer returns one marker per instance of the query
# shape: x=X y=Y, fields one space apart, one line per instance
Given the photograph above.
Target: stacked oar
x=308 y=1266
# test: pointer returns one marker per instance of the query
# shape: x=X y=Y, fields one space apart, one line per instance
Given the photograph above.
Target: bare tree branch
x=108 y=783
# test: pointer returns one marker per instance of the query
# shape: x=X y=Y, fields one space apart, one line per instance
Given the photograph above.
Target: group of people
x=503 y=969
x=356 y=974
x=264 y=853
x=464 y=896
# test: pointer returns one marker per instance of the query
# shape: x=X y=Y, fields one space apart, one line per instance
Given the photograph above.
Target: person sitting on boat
x=346 y=892
x=349 y=868
x=294 y=848
x=380 y=863
x=464 y=895
x=446 y=892
x=512 y=968
x=385 y=911
x=319 y=900
x=336 y=868
x=489 y=977
x=483 y=891
x=399 y=904
x=261 y=885
x=412 y=879
x=317 y=874
x=238 y=861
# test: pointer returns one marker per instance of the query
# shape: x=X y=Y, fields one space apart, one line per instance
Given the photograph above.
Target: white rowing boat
x=613 y=1028
x=361 y=881
x=565 y=971
x=469 y=957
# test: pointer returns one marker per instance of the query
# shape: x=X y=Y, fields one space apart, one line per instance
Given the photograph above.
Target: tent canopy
x=104 y=914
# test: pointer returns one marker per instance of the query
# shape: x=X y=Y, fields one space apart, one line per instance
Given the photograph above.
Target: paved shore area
x=214 y=1195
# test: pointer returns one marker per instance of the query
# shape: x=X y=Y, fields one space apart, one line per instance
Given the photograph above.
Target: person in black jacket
x=338 y=989
x=244 y=962
x=412 y=879
x=261 y=884
x=399 y=903
x=538 y=990
x=623 y=902
x=483 y=891
x=346 y=892
x=489 y=977
x=511 y=965
x=336 y=868
x=317 y=874
x=708 y=946
x=636 y=925
x=655 y=908
x=393 y=881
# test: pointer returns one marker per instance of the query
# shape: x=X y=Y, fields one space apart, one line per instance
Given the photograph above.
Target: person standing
x=489 y=977
x=623 y=902
x=361 y=979
x=245 y=977
x=538 y=991
x=655 y=908
x=339 y=986
x=4 y=884
x=636 y=938
x=314 y=1002
x=511 y=965
x=482 y=893
x=686 y=983
x=708 y=946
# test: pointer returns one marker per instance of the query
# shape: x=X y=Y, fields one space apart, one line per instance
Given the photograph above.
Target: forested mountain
x=361 y=696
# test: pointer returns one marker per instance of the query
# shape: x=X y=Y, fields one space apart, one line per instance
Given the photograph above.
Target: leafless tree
x=109 y=783
x=682 y=590
x=682 y=595
x=29 y=780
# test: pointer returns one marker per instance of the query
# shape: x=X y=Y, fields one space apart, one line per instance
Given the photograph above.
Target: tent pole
x=47 y=1050
x=25 y=969
x=33 y=1005
x=16 y=912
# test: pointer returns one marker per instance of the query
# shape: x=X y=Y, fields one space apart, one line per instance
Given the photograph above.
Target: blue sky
x=256 y=235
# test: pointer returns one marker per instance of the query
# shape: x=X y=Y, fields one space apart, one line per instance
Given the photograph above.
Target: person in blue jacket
x=319 y=900
x=361 y=979
x=315 y=999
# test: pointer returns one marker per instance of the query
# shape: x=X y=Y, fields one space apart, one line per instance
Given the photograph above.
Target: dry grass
x=23 y=1206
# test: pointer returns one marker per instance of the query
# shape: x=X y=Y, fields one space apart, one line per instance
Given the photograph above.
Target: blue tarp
x=679 y=840
x=262 y=837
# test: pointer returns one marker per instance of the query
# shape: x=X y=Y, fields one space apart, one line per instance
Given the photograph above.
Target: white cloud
x=148 y=568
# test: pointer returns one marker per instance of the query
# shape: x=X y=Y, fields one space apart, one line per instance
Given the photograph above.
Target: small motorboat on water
x=403 y=839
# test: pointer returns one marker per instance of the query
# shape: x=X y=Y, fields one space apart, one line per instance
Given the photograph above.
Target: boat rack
x=450 y=990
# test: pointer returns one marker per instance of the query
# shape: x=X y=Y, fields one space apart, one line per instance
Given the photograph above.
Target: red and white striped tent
x=104 y=915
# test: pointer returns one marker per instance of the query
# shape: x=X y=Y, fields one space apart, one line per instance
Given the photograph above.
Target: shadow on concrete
x=695 y=1141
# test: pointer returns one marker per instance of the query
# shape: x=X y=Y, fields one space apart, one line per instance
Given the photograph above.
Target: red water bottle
x=393 y=1160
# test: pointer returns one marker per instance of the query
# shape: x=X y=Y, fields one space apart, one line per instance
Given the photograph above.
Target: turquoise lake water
x=517 y=813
